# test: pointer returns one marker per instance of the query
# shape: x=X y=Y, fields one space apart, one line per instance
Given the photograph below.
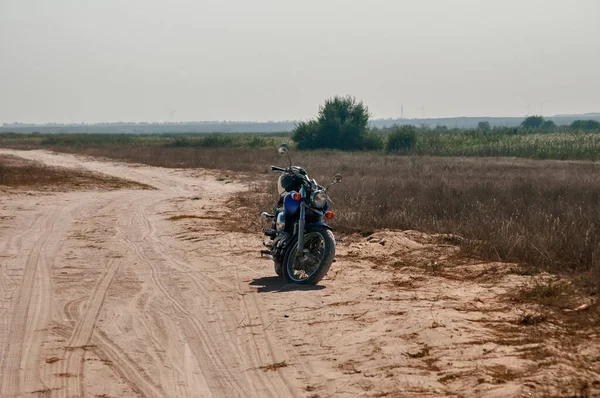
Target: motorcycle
x=301 y=245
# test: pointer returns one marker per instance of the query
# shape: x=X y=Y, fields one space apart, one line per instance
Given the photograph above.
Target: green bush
x=341 y=124
x=373 y=141
x=536 y=123
x=401 y=138
x=548 y=125
x=306 y=134
x=484 y=126
x=533 y=122
x=586 y=125
x=221 y=141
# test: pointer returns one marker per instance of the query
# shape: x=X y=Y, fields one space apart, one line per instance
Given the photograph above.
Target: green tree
x=401 y=138
x=586 y=125
x=341 y=124
x=373 y=141
x=306 y=134
x=484 y=126
x=533 y=122
x=548 y=125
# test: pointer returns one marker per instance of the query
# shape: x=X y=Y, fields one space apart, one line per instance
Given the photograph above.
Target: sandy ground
x=103 y=294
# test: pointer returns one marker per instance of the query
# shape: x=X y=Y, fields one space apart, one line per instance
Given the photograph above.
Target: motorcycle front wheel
x=309 y=267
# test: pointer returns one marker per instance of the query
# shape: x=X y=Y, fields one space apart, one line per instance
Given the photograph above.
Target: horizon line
x=285 y=121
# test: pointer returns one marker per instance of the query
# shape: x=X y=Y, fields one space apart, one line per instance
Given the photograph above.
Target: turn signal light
x=296 y=196
x=329 y=215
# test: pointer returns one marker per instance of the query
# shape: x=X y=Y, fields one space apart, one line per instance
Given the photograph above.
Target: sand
x=119 y=293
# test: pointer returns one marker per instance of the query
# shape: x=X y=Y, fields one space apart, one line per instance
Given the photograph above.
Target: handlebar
x=291 y=170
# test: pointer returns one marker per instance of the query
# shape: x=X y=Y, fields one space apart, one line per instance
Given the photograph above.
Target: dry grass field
x=543 y=214
x=19 y=173
x=162 y=292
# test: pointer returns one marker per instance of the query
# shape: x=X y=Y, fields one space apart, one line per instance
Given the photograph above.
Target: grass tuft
x=274 y=366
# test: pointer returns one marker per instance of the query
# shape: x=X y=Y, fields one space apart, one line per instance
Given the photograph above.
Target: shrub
x=586 y=125
x=341 y=124
x=306 y=134
x=533 y=122
x=373 y=141
x=548 y=125
x=401 y=138
x=484 y=126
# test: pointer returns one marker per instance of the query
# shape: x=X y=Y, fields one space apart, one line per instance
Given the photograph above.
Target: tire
x=278 y=268
x=326 y=253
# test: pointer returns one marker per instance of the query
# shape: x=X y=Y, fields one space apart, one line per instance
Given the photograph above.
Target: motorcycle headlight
x=319 y=199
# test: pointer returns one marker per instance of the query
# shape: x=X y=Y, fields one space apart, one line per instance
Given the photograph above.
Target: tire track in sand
x=10 y=282
x=216 y=372
x=260 y=349
x=260 y=382
x=82 y=333
x=31 y=315
x=114 y=356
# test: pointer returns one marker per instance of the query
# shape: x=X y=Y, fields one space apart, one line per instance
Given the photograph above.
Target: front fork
x=301 y=222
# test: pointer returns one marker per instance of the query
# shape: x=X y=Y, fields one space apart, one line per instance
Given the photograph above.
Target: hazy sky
x=109 y=60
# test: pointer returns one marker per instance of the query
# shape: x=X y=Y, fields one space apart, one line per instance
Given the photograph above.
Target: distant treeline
x=152 y=128
x=270 y=127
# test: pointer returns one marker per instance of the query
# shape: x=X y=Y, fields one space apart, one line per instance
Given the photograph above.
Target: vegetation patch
x=448 y=377
x=342 y=123
x=541 y=214
x=16 y=172
x=531 y=319
x=401 y=138
x=191 y=216
x=274 y=366
x=45 y=391
x=419 y=354
x=85 y=347
x=524 y=270
x=548 y=293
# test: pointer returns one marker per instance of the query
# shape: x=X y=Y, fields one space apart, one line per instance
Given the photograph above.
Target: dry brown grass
x=20 y=173
x=273 y=366
x=188 y=216
x=542 y=213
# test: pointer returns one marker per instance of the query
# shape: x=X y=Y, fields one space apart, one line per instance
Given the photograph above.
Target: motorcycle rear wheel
x=310 y=268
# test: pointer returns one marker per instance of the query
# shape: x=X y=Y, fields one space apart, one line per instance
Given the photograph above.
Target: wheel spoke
x=307 y=264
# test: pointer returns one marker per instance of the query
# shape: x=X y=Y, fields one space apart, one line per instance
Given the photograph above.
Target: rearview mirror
x=283 y=148
x=336 y=180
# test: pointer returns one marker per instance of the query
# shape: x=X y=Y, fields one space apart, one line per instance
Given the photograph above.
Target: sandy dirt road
x=143 y=293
